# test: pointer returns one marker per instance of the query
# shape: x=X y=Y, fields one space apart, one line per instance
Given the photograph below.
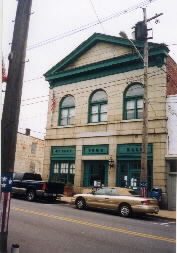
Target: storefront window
x=63 y=171
x=129 y=174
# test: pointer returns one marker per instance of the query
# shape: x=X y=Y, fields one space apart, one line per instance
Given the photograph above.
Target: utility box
x=156 y=193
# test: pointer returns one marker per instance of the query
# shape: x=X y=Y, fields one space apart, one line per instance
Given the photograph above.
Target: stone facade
x=29 y=154
x=116 y=131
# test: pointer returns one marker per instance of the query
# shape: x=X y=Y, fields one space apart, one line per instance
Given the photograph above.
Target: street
x=58 y=227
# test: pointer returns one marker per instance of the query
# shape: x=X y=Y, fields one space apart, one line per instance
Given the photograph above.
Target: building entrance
x=95 y=171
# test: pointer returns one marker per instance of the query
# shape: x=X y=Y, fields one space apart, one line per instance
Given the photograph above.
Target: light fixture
x=111 y=162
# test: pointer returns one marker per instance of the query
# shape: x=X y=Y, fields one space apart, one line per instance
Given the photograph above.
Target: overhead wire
x=89 y=25
x=133 y=78
x=95 y=12
x=104 y=86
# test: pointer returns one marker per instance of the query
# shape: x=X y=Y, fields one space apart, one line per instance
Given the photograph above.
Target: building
x=94 y=126
x=171 y=156
x=29 y=154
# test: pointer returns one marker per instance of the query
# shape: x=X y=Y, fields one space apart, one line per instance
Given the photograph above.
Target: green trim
x=132 y=151
x=97 y=70
x=96 y=103
x=64 y=107
x=128 y=170
x=60 y=176
x=63 y=152
x=95 y=149
x=90 y=42
x=89 y=172
x=130 y=98
x=103 y=64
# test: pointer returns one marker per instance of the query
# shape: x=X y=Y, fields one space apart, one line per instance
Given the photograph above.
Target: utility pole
x=143 y=173
x=144 y=154
x=11 y=111
x=141 y=34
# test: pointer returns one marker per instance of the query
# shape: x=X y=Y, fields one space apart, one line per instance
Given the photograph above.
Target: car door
x=101 y=199
x=113 y=199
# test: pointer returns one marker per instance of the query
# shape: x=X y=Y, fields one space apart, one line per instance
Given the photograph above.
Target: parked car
x=120 y=199
x=32 y=186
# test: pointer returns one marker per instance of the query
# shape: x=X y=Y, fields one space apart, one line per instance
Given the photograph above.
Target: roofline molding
x=90 y=42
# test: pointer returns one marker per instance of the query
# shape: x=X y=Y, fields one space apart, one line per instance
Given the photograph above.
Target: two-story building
x=94 y=130
x=29 y=154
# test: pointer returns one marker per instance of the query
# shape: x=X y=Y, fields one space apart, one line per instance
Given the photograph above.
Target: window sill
x=97 y=123
x=131 y=120
x=64 y=126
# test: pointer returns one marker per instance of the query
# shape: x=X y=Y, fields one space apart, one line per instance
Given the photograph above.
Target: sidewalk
x=162 y=213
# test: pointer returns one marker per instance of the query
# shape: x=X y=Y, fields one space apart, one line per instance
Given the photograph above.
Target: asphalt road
x=60 y=228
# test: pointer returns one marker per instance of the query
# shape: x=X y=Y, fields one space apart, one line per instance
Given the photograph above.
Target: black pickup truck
x=31 y=186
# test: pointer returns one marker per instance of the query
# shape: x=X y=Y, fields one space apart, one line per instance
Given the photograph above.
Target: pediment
x=97 y=48
x=99 y=53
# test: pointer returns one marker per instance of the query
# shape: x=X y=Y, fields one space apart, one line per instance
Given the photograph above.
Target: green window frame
x=67 y=111
x=98 y=107
x=133 y=102
x=62 y=171
x=129 y=165
x=95 y=171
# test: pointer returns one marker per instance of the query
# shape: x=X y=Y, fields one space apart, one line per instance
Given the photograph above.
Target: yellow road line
x=95 y=225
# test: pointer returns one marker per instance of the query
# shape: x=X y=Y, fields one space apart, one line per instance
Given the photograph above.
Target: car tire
x=80 y=203
x=30 y=195
x=125 y=210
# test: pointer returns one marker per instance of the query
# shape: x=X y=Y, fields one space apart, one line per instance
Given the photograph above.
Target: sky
x=58 y=26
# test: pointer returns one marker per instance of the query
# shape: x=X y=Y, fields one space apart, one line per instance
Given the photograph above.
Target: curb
x=150 y=215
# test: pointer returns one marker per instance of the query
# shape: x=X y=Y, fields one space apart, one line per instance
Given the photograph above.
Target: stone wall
x=25 y=159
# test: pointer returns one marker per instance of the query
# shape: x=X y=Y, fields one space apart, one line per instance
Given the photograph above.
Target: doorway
x=95 y=171
x=128 y=173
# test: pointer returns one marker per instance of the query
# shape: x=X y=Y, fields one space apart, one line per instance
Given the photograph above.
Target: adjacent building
x=94 y=126
x=29 y=154
x=171 y=155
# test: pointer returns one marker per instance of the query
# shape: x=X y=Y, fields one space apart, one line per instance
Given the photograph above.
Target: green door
x=128 y=173
x=95 y=171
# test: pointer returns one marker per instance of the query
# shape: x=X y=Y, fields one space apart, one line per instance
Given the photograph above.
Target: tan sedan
x=116 y=198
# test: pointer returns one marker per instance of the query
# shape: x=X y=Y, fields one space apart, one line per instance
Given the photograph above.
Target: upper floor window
x=33 y=148
x=133 y=102
x=98 y=106
x=67 y=111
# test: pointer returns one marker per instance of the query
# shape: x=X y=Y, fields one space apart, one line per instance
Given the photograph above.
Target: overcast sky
x=52 y=20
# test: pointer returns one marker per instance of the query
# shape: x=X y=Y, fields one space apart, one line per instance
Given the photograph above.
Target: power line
x=89 y=25
x=129 y=79
x=94 y=10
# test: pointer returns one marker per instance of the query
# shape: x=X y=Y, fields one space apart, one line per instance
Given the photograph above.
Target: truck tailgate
x=57 y=188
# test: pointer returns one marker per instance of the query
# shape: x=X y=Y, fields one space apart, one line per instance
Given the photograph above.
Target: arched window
x=133 y=101
x=98 y=106
x=67 y=111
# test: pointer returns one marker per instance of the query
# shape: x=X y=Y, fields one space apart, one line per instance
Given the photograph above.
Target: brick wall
x=172 y=76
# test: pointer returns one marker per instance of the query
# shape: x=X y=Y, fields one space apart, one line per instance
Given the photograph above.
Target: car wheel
x=125 y=210
x=30 y=195
x=80 y=203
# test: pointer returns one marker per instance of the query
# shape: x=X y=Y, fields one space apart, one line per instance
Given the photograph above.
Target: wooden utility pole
x=144 y=160
x=143 y=174
x=11 y=111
